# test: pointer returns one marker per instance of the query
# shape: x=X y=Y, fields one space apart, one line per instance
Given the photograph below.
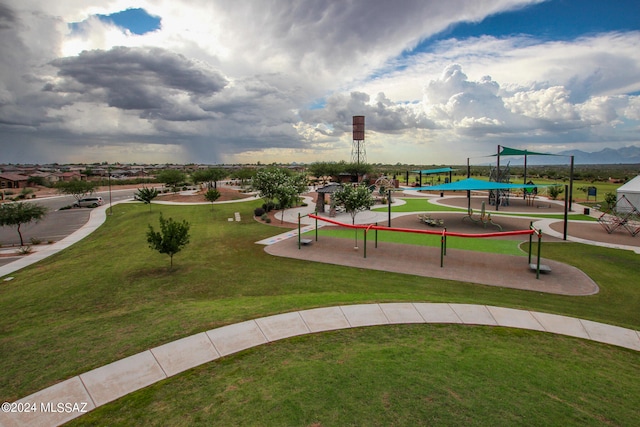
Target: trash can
x=587 y=211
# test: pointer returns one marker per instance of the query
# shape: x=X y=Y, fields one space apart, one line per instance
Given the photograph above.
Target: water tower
x=358 y=153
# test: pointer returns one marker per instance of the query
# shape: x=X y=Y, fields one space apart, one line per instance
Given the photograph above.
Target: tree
x=171 y=238
x=171 y=177
x=76 y=188
x=354 y=198
x=216 y=174
x=244 y=175
x=358 y=169
x=210 y=175
x=146 y=195
x=16 y=214
x=212 y=195
x=267 y=182
x=322 y=170
x=611 y=199
x=289 y=193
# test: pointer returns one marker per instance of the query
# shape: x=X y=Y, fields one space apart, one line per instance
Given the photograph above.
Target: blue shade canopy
x=432 y=171
x=471 y=184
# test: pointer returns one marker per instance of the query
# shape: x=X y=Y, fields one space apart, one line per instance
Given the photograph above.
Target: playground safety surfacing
x=466 y=266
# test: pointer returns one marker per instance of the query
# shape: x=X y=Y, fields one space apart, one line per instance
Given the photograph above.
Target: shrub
x=264 y=217
x=24 y=250
x=555 y=191
x=268 y=207
x=258 y=212
x=268 y=220
x=35 y=241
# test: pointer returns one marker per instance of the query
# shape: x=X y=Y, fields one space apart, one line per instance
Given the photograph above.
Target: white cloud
x=221 y=81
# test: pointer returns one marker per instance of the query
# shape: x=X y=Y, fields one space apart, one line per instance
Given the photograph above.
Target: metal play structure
x=443 y=239
x=623 y=215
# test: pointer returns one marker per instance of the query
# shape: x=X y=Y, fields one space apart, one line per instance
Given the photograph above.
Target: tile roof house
x=13 y=180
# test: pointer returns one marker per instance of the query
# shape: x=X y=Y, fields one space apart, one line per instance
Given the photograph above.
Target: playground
x=462 y=265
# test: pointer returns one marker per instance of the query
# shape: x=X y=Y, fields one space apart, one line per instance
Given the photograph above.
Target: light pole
x=109 y=178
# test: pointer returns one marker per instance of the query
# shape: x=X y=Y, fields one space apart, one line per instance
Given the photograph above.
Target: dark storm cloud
x=7 y=17
x=138 y=79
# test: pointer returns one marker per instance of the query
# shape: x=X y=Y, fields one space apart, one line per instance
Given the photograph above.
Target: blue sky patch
x=138 y=21
x=551 y=20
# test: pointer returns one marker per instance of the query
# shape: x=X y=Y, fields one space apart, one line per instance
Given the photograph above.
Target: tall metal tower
x=358 y=152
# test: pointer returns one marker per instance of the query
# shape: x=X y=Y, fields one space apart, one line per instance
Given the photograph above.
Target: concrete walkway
x=95 y=388
x=96 y=219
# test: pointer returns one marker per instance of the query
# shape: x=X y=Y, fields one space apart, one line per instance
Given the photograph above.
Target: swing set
x=443 y=239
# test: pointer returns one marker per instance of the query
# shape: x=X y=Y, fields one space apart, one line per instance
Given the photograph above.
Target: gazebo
x=327 y=189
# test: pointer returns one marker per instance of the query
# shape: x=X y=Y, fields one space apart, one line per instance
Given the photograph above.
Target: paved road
x=58 y=224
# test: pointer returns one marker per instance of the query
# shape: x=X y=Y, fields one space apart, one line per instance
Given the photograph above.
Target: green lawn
x=110 y=296
x=506 y=247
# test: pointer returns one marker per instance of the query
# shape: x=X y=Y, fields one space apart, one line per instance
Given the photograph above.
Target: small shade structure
x=431 y=172
x=507 y=151
x=472 y=184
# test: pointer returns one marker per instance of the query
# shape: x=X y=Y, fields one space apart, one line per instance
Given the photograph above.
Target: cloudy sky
x=226 y=81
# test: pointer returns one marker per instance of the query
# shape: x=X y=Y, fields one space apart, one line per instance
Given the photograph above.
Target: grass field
x=110 y=296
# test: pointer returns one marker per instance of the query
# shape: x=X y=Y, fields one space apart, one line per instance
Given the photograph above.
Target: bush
x=268 y=220
x=24 y=250
x=258 y=212
x=264 y=217
x=35 y=241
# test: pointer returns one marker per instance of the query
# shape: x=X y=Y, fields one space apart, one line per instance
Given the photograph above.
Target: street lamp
x=109 y=173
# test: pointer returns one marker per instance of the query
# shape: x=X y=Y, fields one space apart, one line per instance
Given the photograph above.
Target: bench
x=306 y=241
x=544 y=268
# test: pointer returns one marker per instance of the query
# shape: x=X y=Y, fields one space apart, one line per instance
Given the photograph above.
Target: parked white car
x=88 y=202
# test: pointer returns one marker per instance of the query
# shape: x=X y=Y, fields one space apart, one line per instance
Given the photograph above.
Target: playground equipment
x=443 y=240
x=498 y=196
x=623 y=214
x=484 y=219
x=433 y=222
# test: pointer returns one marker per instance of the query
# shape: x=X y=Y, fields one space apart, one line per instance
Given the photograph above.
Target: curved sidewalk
x=102 y=385
x=96 y=219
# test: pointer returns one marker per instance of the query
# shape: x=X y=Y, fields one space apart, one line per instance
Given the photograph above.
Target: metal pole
x=524 y=193
x=365 y=243
x=468 y=191
x=566 y=213
x=376 y=236
x=442 y=251
x=110 y=205
x=571 y=184
x=530 y=241
x=316 y=214
x=299 y=232
x=498 y=180
x=539 y=245
x=389 y=200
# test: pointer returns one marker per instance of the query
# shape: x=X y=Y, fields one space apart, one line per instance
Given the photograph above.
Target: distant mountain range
x=626 y=155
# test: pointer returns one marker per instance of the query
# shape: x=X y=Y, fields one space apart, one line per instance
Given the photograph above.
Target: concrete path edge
x=75 y=396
